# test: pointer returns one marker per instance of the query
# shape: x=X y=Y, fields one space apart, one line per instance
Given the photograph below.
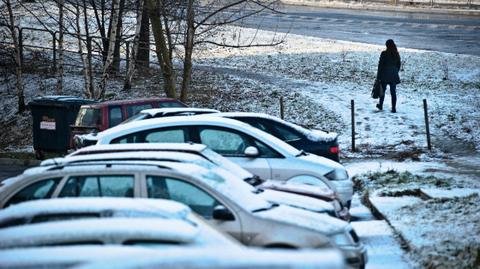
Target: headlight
x=342 y=239
x=337 y=174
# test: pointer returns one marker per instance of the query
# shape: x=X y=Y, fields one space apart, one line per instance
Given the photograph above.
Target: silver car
x=260 y=153
x=231 y=205
x=203 y=156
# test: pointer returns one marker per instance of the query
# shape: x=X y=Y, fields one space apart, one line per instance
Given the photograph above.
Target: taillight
x=334 y=150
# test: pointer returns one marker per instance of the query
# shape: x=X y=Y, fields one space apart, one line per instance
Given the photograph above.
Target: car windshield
x=88 y=116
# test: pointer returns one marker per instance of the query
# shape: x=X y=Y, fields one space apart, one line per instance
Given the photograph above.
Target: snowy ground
x=317 y=79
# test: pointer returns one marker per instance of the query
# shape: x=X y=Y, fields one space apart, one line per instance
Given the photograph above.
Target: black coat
x=388 y=67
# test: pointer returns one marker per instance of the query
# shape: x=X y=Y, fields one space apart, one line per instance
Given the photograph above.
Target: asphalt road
x=437 y=32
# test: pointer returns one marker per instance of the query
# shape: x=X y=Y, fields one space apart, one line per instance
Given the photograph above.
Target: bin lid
x=59 y=100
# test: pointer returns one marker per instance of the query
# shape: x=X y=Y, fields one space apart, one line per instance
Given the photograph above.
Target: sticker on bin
x=47 y=125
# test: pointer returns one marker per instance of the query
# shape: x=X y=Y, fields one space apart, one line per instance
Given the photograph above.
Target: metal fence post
x=352 y=105
x=282 y=111
x=20 y=44
x=425 y=110
x=54 y=44
x=127 y=44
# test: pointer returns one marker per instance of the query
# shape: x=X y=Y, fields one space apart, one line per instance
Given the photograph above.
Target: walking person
x=388 y=68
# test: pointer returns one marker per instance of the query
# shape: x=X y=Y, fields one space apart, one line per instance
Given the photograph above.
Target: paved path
x=383 y=249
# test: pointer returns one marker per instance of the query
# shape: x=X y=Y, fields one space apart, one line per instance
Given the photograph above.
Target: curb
x=23 y=162
x=379 y=7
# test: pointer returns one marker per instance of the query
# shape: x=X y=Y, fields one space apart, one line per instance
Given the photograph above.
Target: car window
x=39 y=190
x=162 y=135
x=230 y=143
x=88 y=117
x=223 y=141
x=135 y=109
x=99 y=186
x=166 y=136
x=178 y=190
x=114 y=116
x=285 y=133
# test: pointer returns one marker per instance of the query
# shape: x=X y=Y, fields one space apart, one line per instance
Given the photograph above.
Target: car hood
x=304 y=219
x=298 y=201
x=325 y=165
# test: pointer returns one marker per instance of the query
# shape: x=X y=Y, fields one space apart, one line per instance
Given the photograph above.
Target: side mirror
x=222 y=213
x=251 y=152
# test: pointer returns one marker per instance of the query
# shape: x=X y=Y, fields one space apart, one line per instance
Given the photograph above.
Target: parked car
x=101 y=116
x=64 y=209
x=169 y=112
x=258 y=152
x=313 y=141
x=229 y=204
x=206 y=157
x=118 y=257
x=318 y=142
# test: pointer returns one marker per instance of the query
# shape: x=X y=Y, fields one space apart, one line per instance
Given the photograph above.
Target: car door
x=199 y=199
x=232 y=144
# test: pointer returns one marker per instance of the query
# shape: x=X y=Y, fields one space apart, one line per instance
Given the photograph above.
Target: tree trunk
x=118 y=39
x=187 y=62
x=91 y=83
x=162 y=49
x=18 y=60
x=143 y=55
x=133 y=63
x=111 y=46
x=59 y=75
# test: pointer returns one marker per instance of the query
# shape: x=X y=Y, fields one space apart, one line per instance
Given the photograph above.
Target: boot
x=379 y=106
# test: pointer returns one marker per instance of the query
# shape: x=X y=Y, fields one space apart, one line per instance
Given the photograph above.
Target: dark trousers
x=393 y=93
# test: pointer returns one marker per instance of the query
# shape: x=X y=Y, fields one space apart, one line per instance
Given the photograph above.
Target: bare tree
x=195 y=22
x=136 y=44
x=18 y=59
x=61 y=29
x=111 y=47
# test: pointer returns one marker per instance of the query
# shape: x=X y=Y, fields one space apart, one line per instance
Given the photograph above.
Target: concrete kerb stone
x=24 y=162
x=382 y=7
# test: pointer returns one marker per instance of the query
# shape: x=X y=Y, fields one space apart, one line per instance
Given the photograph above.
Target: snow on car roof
x=313 y=135
x=213 y=258
x=108 y=135
x=169 y=110
x=107 y=230
x=48 y=257
x=139 y=146
x=119 y=207
x=160 y=149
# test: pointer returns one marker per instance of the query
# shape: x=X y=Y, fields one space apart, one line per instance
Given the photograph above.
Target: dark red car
x=100 y=116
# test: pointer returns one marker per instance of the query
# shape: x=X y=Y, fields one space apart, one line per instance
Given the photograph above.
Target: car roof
x=188 y=147
x=106 y=136
x=314 y=135
x=174 y=110
x=212 y=258
x=48 y=257
x=109 y=230
x=114 y=206
x=217 y=179
x=131 y=101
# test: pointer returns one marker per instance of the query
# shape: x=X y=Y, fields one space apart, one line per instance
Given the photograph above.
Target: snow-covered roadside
x=331 y=73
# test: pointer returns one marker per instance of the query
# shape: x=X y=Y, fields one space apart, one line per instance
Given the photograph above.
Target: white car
x=200 y=155
x=49 y=210
x=260 y=153
x=231 y=205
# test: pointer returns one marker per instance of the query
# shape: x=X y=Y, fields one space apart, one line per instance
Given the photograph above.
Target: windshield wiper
x=272 y=205
x=302 y=153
